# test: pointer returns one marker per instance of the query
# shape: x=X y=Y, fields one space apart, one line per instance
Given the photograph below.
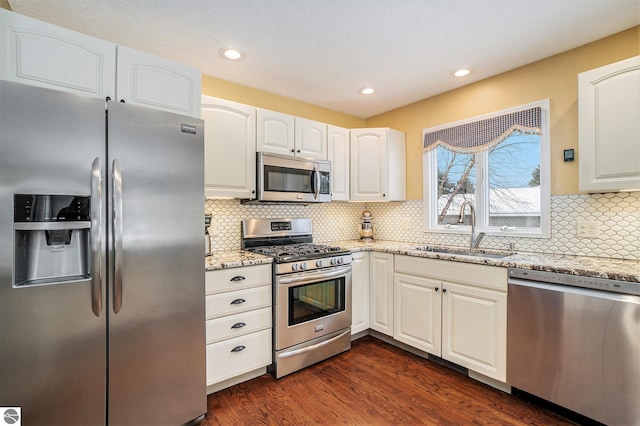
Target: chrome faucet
x=473 y=241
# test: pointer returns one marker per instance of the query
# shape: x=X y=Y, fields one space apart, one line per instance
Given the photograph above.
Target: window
x=499 y=162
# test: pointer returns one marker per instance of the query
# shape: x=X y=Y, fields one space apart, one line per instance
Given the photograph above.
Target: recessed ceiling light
x=462 y=72
x=231 y=53
x=368 y=91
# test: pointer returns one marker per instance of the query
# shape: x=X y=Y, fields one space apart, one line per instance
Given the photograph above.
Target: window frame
x=430 y=182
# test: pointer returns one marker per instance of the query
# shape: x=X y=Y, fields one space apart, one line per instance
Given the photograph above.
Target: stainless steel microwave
x=288 y=179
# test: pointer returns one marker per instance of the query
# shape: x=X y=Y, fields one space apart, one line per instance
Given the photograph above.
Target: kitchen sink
x=493 y=254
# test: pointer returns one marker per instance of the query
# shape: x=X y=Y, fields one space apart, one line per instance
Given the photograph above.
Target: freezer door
x=156 y=308
x=52 y=332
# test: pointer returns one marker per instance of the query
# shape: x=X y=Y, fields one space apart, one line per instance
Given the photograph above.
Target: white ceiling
x=323 y=51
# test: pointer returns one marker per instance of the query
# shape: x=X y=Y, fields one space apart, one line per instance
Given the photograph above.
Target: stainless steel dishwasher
x=575 y=341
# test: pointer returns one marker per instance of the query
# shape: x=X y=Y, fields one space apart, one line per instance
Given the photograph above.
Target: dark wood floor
x=372 y=384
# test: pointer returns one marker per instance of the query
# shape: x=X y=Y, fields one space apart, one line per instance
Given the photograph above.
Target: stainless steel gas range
x=311 y=292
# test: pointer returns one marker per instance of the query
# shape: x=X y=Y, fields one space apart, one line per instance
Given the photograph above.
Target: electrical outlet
x=406 y=224
x=588 y=229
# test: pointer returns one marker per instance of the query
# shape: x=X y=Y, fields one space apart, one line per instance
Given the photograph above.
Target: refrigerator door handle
x=96 y=237
x=117 y=236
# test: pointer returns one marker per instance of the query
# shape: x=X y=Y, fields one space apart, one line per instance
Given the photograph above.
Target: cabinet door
x=474 y=329
x=310 y=139
x=158 y=83
x=417 y=312
x=41 y=54
x=360 y=292
x=381 y=292
x=609 y=125
x=368 y=164
x=275 y=132
x=229 y=148
x=339 y=155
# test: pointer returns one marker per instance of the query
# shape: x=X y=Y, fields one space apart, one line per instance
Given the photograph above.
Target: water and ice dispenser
x=52 y=239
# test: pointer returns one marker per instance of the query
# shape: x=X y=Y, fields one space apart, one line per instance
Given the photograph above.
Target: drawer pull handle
x=238 y=348
x=238 y=278
x=238 y=325
x=238 y=302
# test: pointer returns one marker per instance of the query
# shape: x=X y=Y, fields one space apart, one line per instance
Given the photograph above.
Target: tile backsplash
x=617 y=214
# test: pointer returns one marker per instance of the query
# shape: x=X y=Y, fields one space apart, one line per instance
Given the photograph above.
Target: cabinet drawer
x=251 y=352
x=232 y=326
x=237 y=278
x=233 y=302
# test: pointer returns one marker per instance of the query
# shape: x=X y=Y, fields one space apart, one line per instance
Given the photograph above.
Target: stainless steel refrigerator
x=101 y=261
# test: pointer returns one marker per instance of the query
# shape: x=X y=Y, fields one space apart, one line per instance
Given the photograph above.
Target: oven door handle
x=298 y=279
x=311 y=348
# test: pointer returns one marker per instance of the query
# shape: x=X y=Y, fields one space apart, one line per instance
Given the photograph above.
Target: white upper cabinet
x=311 y=139
x=285 y=134
x=275 y=132
x=338 y=154
x=609 y=127
x=158 y=83
x=41 y=54
x=378 y=165
x=229 y=148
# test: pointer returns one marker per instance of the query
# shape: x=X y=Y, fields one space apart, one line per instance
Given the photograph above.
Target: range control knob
x=303 y=266
x=334 y=261
x=340 y=261
x=294 y=267
x=319 y=263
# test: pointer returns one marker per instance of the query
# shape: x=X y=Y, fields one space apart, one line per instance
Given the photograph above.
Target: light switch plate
x=588 y=229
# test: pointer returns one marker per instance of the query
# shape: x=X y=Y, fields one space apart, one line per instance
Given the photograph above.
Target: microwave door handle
x=316 y=181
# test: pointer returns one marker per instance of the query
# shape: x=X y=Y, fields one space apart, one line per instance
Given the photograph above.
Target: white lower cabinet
x=454 y=310
x=230 y=358
x=417 y=312
x=238 y=324
x=360 y=292
x=381 y=292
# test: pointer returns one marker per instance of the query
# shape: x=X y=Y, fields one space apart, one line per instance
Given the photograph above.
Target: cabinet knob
x=122 y=101
x=238 y=302
x=444 y=290
x=436 y=289
x=298 y=151
x=293 y=150
x=238 y=278
x=384 y=195
x=108 y=98
x=253 y=191
x=238 y=325
x=239 y=348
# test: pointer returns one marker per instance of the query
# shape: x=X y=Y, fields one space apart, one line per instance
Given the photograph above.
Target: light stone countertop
x=234 y=259
x=599 y=267
x=615 y=269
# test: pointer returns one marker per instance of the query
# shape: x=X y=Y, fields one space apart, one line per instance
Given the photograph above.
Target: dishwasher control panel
x=594 y=283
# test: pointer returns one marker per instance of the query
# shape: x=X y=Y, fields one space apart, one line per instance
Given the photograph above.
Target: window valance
x=483 y=135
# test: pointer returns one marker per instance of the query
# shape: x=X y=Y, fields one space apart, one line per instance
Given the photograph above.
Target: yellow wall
x=235 y=92
x=4 y=4
x=554 y=78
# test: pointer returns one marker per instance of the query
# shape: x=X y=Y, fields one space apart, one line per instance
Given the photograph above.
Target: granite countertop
x=234 y=259
x=615 y=269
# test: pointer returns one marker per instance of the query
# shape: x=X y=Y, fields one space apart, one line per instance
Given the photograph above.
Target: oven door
x=288 y=179
x=312 y=304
